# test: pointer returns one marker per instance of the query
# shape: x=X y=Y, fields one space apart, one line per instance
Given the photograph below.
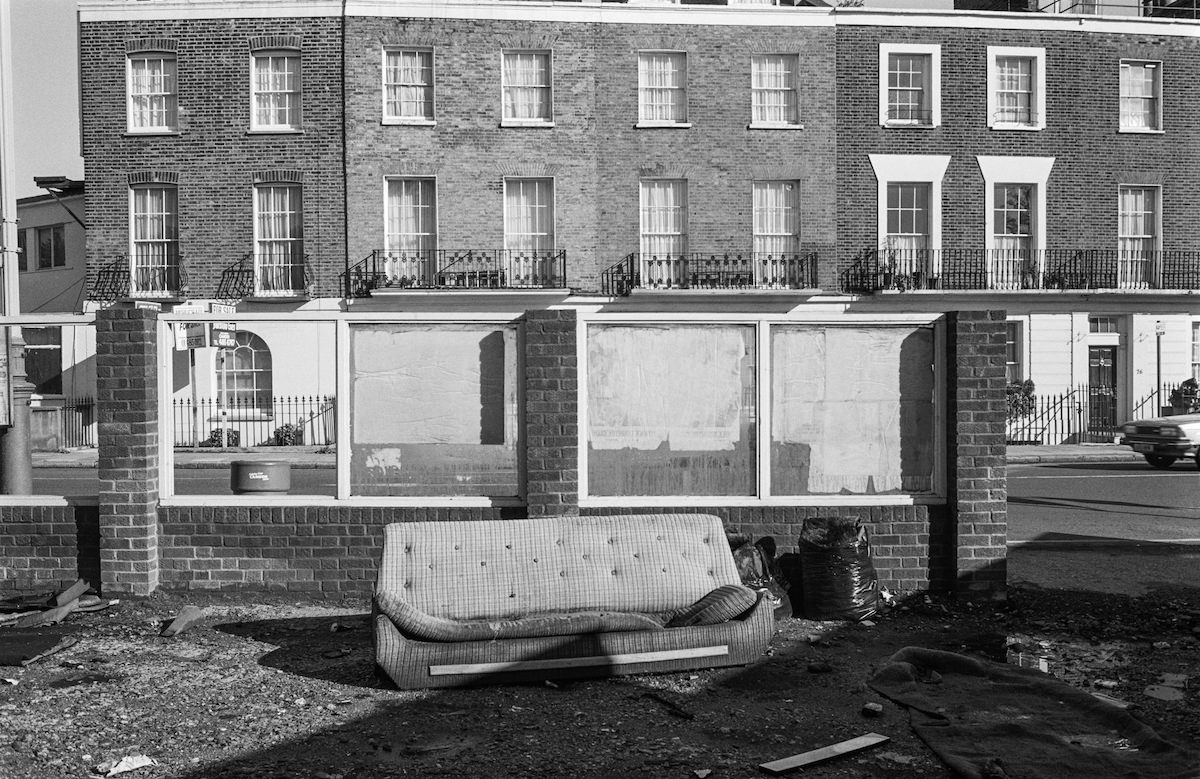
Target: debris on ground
x=187 y=616
x=125 y=765
x=824 y=753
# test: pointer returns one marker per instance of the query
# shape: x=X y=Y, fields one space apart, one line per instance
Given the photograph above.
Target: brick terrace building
x=592 y=257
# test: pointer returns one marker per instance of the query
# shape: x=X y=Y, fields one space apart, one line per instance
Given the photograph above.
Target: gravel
x=268 y=686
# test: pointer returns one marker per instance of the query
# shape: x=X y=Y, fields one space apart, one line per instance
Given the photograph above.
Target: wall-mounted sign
x=190 y=335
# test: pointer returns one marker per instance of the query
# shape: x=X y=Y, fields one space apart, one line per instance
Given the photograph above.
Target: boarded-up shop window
x=434 y=410
x=852 y=410
x=671 y=410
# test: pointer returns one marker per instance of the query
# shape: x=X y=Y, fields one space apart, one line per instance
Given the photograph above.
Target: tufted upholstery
x=506 y=569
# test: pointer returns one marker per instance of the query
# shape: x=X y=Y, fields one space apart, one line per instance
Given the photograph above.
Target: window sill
x=798 y=500
x=152 y=133
x=526 y=123
x=400 y=121
x=280 y=131
x=894 y=125
x=773 y=126
x=662 y=125
x=1017 y=127
x=1141 y=131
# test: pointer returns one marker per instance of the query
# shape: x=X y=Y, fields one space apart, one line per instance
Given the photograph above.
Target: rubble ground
x=280 y=686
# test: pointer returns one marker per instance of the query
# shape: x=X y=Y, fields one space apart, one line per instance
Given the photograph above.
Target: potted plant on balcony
x=1185 y=399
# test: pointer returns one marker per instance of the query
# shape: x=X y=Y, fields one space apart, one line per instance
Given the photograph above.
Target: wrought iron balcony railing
x=1168 y=9
x=982 y=269
x=151 y=278
x=751 y=270
x=266 y=276
x=456 y=269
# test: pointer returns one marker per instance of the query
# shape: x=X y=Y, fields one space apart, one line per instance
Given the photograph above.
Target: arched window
x=244 y=374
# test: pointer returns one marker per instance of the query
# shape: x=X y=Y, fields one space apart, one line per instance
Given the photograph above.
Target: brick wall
x=214 y=156
x=127 y=442
x=594 y=153
x=977 y=477
x=1082 y=113
x=551 y=413
x=46 y=548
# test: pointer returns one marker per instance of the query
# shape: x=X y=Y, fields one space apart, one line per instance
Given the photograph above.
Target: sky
x=45 y=92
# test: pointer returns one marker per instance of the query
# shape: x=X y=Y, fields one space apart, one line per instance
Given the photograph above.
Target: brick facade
x=48 y=547
x=551 y=413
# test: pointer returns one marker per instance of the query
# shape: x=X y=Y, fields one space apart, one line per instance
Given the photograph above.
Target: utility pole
x=16 y=468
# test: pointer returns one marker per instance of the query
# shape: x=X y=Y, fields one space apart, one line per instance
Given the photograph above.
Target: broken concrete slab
x=49 y=617
x=1164 y=693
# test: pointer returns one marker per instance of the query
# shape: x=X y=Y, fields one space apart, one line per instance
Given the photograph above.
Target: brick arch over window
x=278 y=177
x=244 y=374
x=153 y=177
x=261 y=42
x=138 y=45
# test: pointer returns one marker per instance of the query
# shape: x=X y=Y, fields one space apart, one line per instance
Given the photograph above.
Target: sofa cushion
x=721 y=605
x=426 y=627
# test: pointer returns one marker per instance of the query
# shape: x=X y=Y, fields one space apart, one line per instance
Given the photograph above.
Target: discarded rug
x=988 y=720
x=21 y=647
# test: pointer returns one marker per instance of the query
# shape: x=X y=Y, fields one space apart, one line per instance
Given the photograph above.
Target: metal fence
x=78 y=422
x=1086 y=414
x=277 y=421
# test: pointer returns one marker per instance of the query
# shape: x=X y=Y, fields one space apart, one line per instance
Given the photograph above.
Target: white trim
x=747 y=501
x=1038 y=79
x=294 y=499
x=341 y=360
x=1159 y=97
x=506 y=121
x=292 y=127
x=49 y=500
x=397 y=119
x=766 y=16
x=915 y=168
x=934 y=52
x=1016 y=170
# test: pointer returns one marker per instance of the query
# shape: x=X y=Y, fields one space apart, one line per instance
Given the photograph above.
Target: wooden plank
x=824 y=753
x=71 y=593
x=579 y=662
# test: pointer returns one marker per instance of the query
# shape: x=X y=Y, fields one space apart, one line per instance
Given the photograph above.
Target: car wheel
x=1163 y=460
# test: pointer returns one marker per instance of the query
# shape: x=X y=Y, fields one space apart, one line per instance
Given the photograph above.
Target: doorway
x=1102 y=394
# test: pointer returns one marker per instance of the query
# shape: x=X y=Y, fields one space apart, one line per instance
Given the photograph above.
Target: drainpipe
x=345 y=172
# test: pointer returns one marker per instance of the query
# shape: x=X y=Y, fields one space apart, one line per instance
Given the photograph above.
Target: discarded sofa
x=461 y=603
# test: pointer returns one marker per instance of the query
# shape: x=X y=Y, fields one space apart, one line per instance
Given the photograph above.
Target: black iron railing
x=874 y=270
x=266 y=275
x=697 y=270
x=1179 y=9
x=271 y=421
x=130 y=276
x=1088 y=414
x=456 y=269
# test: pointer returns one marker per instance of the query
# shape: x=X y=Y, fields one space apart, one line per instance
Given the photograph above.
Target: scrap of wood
x=579 y=662
x=50 y=617
x=71 y=593
x=187 y=616
x=1110 y=700
x=60 y=646
x=6 y=618
x=824 y=753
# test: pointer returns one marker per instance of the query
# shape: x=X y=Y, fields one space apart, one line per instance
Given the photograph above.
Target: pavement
x=314 y=457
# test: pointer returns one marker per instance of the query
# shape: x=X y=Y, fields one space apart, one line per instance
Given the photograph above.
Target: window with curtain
x=908 y=216
x=155 y=234
x=664 y=217
x=1196 y=350
x=776 y=218
x=408 y=84
x=1141 y=84
x=1137 y=237
x=244 y=374
x=279 y=239
x=275 y=94
x=526 y=86
x=1012 y=219
x=411 y=215
x=662 y=87
x=774 y=89
x=1014 y=90
x=152 y=93
x=909 y=88
x=1012 y=352
x=52 y=247
x=529 y=216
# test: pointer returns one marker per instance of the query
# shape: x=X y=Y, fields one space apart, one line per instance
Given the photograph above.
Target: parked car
x=1163 y=440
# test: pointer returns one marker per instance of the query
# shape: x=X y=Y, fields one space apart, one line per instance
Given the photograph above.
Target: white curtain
x=409 y=81
x=1138 y=95
x=774 y=89
x=776 y=218
x=155 y=235
x=277 y=90
x=152 y=92
x=280 y=238
x=411 y=215
x=529 y=216
x=1014 y=85
x=663 y=80
x=527 y=85
x=664 y=217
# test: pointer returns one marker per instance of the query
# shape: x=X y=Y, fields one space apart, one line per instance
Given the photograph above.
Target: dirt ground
x=276 y=687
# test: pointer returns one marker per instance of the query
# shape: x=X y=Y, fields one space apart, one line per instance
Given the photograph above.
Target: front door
x=1102 y=393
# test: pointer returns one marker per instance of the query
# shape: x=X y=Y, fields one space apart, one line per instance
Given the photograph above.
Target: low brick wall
x=45 y=548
